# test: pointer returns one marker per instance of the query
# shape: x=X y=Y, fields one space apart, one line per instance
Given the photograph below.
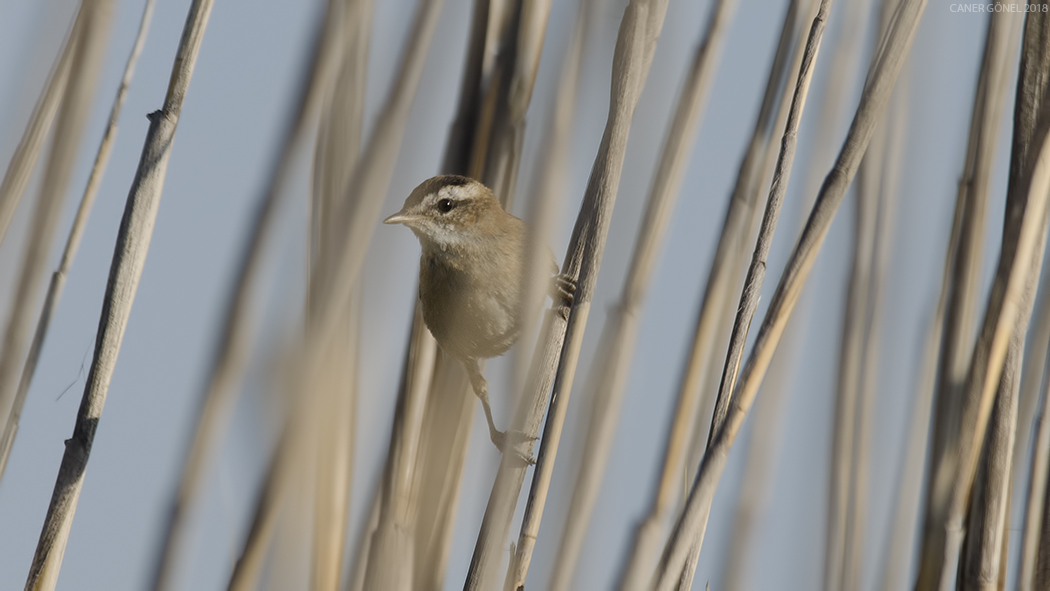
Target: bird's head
x=448 y=210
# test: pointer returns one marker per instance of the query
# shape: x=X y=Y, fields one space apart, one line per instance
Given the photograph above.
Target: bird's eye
x=445 y=205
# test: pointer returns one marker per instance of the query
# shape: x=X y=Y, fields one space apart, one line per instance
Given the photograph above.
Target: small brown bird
x=470 y=273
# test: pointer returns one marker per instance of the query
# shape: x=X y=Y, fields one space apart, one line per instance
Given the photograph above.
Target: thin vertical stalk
x=882 y=74
x=858 y=357
x=759 y=177
x=964 y=291
x=757 y=270
x=900 y=545
x=1031 y=383
x=87 y=45
x=391 y=560
x=609 y=371
x=129 y=257
x=1032 y=372
x=216 y=402
x=952 y=472
x=23 y=161
x=336 y=273
x=558 y=347
x=762 y=446
x=1005 y=314
x=338 y=142
x=58 y=278
x=724 y=274
x=1040 y=466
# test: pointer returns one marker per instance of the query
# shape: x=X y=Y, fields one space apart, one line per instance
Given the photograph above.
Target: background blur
x=238 y=100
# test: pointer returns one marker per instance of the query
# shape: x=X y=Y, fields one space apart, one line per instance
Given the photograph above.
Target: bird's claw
x=514 y=439
x=565 y=286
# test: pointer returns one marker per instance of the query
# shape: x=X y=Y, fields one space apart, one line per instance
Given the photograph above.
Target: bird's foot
x=565 y=286
x=515 y=441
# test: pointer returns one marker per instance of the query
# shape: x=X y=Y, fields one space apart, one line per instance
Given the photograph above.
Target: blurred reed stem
x=76 y=232
x=1033 y=533
x=610 y=369
x=338 y=143
x=86 y=47
x=23 y=161
x=557 y=349
x=724 y=274
x=757 y=270
x=765 y=434
x=1031 y=386
x=336 y=273
x=129 y=258
x=963 y=291
x=1007 y=312
x=888 y=60
x=858 y=354
x=218 y=397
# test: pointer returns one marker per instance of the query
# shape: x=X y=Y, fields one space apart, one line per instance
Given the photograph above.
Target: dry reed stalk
x=609 y=371
x=723 y=276
x=983 y=547
x=761 y=455
x=559 y=344
x=1035 y=505
x=23 y=161
x=765 y=432
x=360 y=551
x=984 y=563
x=858 y=352
x=337 y=270
x=889 y=184
x=76 y=232
x=964 y=290
x=757 y=185
x=86 y=47
x=548 y=186
x=1032 y=371
x=514 y=40
x=757 y=269
x=901 y=541
x=843 y=529
x=338 y=143
x=988 y=393
x=515 y=78
x=217 y=398
x=391 y=559
x=129 y=258
x=953 y=470
x=958 y=292
x=882 y=75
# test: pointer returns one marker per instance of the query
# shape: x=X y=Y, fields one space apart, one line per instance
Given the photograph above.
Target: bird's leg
x=499 y=438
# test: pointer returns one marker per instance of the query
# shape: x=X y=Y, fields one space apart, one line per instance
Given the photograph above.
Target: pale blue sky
x=237 y=102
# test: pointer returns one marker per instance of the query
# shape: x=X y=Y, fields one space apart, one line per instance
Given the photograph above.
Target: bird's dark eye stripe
x=445 y=205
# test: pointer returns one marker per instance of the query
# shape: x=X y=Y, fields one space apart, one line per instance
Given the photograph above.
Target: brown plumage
x=469 y=273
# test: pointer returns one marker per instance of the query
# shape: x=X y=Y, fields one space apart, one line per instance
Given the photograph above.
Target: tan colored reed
x=58 y=278
x=129 y=258
x=558 y=347
x=882 y=75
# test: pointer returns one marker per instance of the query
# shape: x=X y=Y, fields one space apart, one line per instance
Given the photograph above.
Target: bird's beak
x=401 y=218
